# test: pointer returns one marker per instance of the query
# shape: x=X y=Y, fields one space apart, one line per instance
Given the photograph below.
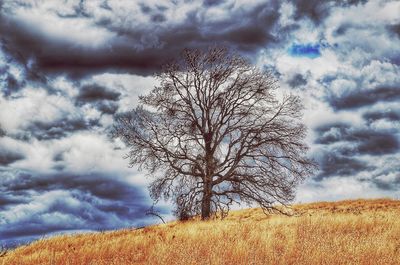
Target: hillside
x=345 y=232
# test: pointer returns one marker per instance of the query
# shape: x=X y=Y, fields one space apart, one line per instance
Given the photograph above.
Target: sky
x=66 y=67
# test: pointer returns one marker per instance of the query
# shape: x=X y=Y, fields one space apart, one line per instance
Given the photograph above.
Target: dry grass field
x=345 y=232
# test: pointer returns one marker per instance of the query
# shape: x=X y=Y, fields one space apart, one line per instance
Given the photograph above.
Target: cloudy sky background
x=66 y=67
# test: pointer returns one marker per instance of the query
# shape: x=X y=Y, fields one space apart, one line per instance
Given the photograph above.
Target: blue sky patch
x=305 y=50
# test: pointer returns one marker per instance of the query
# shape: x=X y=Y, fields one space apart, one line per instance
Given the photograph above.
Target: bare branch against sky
x=214 y=133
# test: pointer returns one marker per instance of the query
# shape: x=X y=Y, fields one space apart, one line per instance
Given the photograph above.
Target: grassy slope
x=346 y=232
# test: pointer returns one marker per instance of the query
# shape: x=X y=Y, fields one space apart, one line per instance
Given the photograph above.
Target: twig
x=151 y=211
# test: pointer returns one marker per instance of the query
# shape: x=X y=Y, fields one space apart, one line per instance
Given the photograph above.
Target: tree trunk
x=206 y=202
x=207 y=189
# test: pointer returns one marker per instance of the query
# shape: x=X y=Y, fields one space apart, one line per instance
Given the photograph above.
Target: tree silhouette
x=214 y=133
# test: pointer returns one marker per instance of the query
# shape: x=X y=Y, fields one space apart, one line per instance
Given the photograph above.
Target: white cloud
x=43 y=18
x=131 y=87
x=340 y=188
x=33 y=105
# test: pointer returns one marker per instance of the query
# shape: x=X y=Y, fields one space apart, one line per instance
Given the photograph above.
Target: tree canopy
x=214 y=132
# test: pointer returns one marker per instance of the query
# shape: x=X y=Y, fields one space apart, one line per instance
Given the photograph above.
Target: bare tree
x=214 y=133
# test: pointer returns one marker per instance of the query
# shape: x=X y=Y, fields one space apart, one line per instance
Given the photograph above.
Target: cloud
x=389 y=181
x=94 y=92
x=357 y=99
x=66 y=69
x=314 y=10
x=55 y=115
x=339 y=188
x=57 y=129
x=362 y=140
x=297 y=80
x=10 y=83
x=8 y=153
x=63 y=202
x=99 y=97
x=7 y=157
x=317 y=10
x=350 y=88
x=395 y=29
x=107 y=107
x=332 y=164
x=347 y=150
x=390 y=115
x=104 y=39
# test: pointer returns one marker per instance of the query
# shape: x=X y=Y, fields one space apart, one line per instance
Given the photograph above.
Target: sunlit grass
x=346 y=232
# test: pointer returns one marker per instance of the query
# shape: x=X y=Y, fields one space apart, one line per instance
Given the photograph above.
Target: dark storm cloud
x=9 y=156
x=317 y=10
x=386 y=186
x=156 y=13
x=142 y=50
x=325 y=137
x=138 y=50
x=56 y=129
x=297 y=80
x=248 y=34
x=146 y=9
x=361 y=140
x=37 y=226
x=23 y=43
x=98 y=185
x=333 y=164
x=314 y=9
x=16 y=77
x=389 y=115
x=213 y=2
x=95 y=92
x=343 y=144
x=377 y=143
x=247 y=37
x=395 y=29
x=357 y=99
x=8 y=199
x=99 y=97
x=8 y=82
x=70 y=201
x=106 y=107
x=11 y=84
x=53 y=56
x=392 y=185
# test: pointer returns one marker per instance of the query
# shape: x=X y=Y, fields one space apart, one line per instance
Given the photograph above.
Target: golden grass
x=345 y=232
